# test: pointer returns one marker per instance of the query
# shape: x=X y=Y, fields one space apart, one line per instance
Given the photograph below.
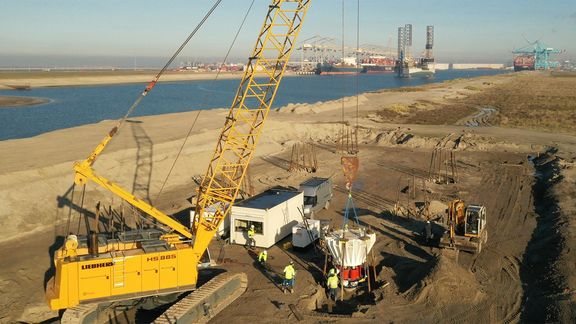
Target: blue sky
x=94 y=31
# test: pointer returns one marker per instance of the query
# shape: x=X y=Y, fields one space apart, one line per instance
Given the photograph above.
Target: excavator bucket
x=464 y=243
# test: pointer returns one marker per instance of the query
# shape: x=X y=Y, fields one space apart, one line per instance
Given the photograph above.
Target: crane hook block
x=150 y=86
x=113 y=131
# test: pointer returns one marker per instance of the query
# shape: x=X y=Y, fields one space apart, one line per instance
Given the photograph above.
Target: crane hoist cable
x=344 y=90
x=204 y=99
x=102 y=145
x=152 y=83
x=357 y=63
x=353 y=136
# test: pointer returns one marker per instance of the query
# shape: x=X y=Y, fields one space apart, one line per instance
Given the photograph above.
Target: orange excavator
x=466 y=227
x=99 y=272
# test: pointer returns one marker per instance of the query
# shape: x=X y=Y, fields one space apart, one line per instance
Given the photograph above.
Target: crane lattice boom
x=248 y=112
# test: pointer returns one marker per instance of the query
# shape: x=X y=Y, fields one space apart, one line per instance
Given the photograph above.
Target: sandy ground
x=20 y=101
x=524 y=177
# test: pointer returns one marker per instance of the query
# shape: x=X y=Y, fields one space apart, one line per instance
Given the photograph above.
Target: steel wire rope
x=357 y=74
x=151 y=85
x=70 y=209
x=343 y=82
x=205 y=97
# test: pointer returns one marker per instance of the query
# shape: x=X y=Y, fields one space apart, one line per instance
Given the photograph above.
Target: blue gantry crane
x=536 y=52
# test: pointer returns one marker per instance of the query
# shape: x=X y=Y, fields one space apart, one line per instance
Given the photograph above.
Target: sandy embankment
x=86 y=78
x=36 y=174
x=20 y=101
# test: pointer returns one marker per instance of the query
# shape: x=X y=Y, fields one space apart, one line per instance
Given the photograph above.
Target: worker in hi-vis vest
x=332 y=284
x=262 y=257
x=251 y=241
x=289 y=277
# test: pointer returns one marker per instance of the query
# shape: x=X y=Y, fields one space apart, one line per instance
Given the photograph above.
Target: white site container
x=273 y=214
x=300 y=236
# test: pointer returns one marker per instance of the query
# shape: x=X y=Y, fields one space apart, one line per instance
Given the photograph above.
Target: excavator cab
x=466 y=227
x=475 y=220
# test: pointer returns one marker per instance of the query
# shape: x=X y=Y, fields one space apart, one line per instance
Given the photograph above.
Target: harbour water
x=75 y=106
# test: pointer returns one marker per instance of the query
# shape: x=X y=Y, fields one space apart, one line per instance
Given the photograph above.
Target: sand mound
x=464 y=141
x=397 y=136
x=445 y=282
x=318 y=107
x=437 y=208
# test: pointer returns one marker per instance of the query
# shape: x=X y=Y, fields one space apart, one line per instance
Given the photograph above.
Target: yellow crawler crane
x=92 y=270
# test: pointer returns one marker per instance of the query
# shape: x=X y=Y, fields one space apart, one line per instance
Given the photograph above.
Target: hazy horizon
x=89 y=33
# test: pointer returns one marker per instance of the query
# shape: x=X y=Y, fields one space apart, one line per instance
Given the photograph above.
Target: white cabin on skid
x=273 y=214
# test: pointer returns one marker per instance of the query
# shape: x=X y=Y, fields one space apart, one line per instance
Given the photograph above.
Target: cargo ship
x=379 y=64
x=346 y=66
x=524 y=62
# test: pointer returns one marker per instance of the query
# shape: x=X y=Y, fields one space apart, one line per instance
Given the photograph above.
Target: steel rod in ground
x=342 y=269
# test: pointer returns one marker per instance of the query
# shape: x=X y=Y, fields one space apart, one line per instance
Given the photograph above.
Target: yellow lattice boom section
x=247 y=114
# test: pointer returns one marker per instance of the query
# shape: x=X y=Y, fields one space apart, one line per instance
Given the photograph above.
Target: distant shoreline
x=13 y=101
x=41 y=79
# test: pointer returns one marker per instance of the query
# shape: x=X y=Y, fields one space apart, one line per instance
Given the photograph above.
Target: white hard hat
x=265 y=252
x=251 y=226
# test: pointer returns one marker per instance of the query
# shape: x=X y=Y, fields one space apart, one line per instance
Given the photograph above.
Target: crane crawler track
x=203 y=304
x=197 y=307
x=79 y=314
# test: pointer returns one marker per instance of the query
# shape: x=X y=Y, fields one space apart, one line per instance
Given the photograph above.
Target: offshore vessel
x=524 y=62
x=379 y=64
x=424 y=67
x=347 y=65
x=406 y=65
x=421 y=67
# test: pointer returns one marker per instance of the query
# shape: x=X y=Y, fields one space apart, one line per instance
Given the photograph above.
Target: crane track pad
x=207 y=301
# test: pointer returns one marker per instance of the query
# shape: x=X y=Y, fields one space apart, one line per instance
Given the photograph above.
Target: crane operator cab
x=475 y=220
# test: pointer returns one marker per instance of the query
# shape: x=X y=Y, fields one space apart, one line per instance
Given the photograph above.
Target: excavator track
x=207 y=301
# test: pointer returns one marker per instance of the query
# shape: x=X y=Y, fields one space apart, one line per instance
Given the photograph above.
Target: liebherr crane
x=139 y=263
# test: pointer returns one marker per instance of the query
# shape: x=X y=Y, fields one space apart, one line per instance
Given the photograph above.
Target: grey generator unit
x=273 y=214
x=317 y=194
